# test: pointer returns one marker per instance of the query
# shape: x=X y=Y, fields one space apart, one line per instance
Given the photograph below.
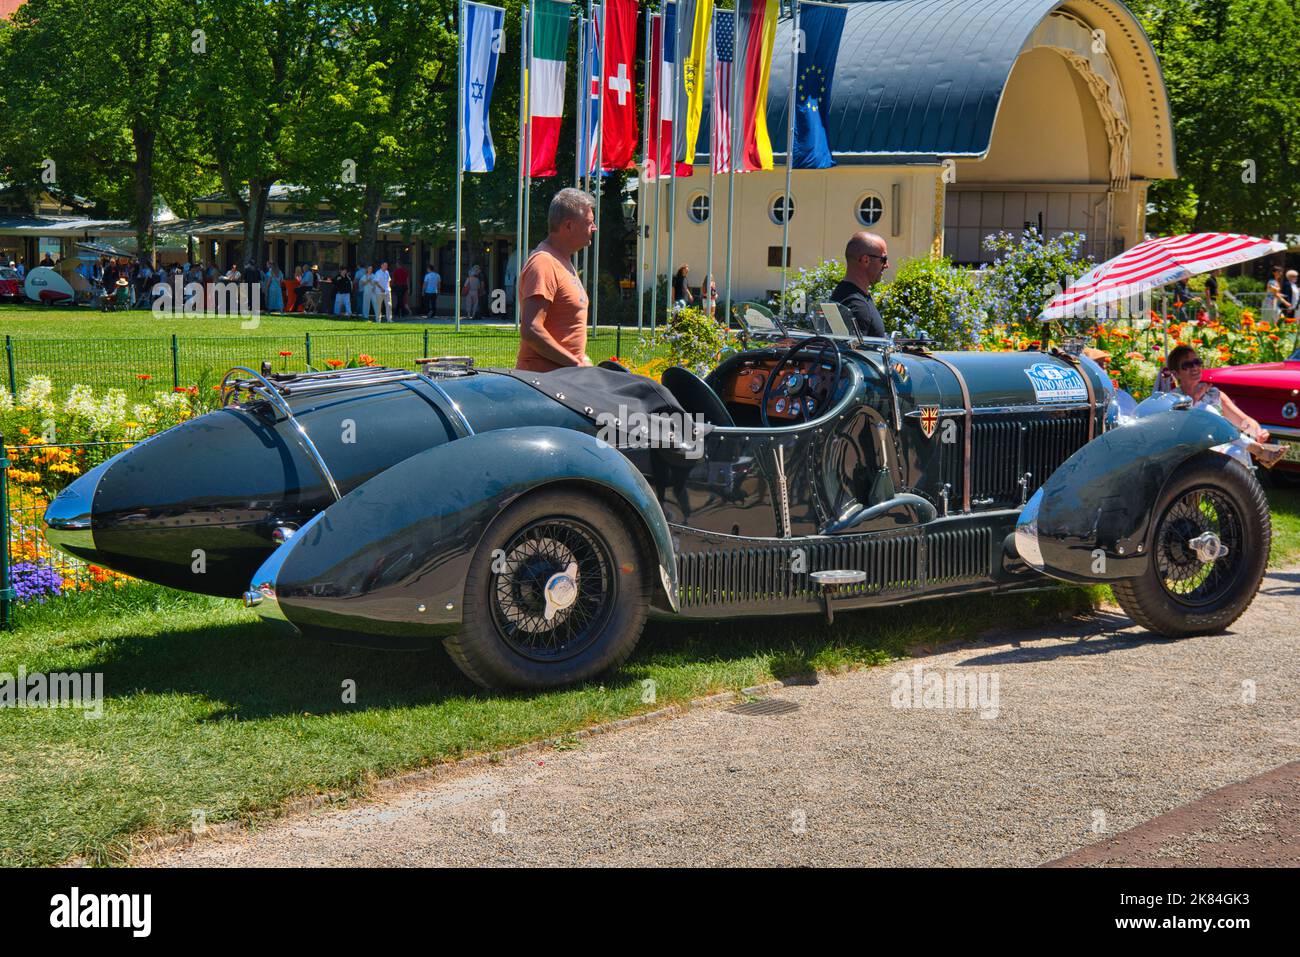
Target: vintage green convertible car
x=531 y=521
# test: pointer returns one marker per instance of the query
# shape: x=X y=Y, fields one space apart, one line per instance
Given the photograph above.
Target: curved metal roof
x=915 y=79
x=915 y=76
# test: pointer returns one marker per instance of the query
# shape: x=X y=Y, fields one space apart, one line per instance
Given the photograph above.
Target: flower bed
x=40 y=466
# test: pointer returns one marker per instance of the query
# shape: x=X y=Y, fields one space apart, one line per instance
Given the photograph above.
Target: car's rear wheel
x=556 y=593
x=1208 y=550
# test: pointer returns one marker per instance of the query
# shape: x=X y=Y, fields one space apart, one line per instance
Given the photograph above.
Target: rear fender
x=391 y=557
x=1090 y=520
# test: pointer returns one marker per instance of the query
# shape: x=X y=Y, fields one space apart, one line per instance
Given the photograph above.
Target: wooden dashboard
x=747 y=384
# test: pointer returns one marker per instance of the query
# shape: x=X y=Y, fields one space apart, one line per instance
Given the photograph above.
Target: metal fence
x=30 y=475
x=181 y=360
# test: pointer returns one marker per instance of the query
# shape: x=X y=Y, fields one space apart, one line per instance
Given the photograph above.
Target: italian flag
x=546 y=83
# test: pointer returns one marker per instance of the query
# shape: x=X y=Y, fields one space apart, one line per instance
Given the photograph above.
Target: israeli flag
x=484 y=38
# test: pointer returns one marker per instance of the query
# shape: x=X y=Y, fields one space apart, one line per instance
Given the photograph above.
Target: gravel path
x=1097 y=729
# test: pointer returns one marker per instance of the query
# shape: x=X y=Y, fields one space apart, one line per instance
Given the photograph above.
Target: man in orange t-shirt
x=553 y=330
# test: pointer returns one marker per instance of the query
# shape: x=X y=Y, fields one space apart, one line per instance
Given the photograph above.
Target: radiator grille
x=749 y=576
x=1003 y=448
x=958 y=554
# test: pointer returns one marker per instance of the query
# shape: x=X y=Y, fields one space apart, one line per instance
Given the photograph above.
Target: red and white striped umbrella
x=1152 y=264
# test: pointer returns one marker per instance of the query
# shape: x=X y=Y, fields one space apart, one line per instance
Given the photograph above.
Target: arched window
x=870 y=208
x=699 y=208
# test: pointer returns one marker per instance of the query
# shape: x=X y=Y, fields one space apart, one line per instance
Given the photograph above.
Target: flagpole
x=710 y=71
x=521 y=243
x=672 y=150
x=641 y=190
x=581 y=95
x=659 y=175
x=603 y=24
x=582 y=80
x=732 y=154
x=528 y=149
x=460 y=142
x=789 y=154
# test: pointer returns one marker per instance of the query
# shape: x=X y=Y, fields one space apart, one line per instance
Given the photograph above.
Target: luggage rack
x=447 y=367
x=274 y=388
x=263 y=387
x=300 y=383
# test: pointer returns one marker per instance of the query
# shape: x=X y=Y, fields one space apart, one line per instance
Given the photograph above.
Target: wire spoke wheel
x=1191 y=562
x=553 y=589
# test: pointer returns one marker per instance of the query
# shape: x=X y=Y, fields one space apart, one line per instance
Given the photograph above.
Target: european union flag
x=822 y=27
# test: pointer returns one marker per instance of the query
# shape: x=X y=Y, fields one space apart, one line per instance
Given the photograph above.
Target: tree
x=258 y=74
x=1232 y=89
x=89 y=86
x=390 y=63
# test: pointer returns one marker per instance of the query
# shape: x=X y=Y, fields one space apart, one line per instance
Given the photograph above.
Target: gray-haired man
x=553 y=333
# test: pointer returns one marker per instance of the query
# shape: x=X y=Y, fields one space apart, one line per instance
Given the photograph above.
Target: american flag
x=724 y=46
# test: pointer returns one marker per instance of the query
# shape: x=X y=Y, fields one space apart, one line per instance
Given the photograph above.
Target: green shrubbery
x=934 y=298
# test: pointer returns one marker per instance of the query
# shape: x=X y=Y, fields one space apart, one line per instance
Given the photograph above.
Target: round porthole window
x=870 y=209
x=698 y=208
x=777 y=209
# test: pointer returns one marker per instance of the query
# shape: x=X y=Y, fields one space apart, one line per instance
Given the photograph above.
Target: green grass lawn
x=107 y=350
x=1285 y=506
x=207 y=710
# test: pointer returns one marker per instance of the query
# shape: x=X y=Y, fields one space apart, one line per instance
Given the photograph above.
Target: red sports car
x=1268 y=392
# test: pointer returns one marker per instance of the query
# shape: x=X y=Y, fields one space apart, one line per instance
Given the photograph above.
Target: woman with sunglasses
x=1183 y=373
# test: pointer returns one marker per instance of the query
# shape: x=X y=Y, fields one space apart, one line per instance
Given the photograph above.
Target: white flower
x=37 y=394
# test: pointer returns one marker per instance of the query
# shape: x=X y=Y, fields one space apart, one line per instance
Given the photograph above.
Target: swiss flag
x=618 y=105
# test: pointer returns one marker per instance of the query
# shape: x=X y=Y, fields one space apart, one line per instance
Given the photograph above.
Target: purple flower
x=35 y=581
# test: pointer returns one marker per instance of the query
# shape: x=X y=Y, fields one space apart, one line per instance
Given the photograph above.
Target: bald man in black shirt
x=865 y=258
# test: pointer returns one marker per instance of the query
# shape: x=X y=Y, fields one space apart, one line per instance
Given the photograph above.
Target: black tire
x=505 y=642
x=1179 y=595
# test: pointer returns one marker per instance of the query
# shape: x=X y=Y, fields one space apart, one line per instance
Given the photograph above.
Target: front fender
x=390 y=558
x=1103 y=496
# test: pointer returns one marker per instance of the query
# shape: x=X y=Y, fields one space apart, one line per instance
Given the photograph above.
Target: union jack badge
x=929 y=419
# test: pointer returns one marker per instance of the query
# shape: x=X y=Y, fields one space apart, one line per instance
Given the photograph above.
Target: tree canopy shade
x=257 y=80
x=1234 y=88
x=94 y=103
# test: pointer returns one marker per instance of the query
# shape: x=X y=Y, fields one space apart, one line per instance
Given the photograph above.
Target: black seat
x=695 y=396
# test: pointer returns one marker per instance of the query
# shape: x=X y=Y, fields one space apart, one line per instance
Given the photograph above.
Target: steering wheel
x=796 y=387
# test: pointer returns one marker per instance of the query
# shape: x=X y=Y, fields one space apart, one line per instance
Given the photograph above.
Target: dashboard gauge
x=780 y=405
x=794 y=407
x=756 y=383
x=809 y=406
x=792 y=383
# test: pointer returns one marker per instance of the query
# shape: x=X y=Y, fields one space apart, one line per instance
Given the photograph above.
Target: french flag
x=663 y=48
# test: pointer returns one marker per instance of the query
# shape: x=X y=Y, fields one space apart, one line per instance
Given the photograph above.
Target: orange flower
x=334 y=363
x=1272 y=338
x=143 y=376
x=286 y=354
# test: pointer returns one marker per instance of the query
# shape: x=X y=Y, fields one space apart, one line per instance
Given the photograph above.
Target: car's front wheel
x=1208 y=551
x=556 y=593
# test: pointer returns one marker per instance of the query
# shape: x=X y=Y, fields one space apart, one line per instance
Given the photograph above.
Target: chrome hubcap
x=1207 y=547
x=561 y=591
